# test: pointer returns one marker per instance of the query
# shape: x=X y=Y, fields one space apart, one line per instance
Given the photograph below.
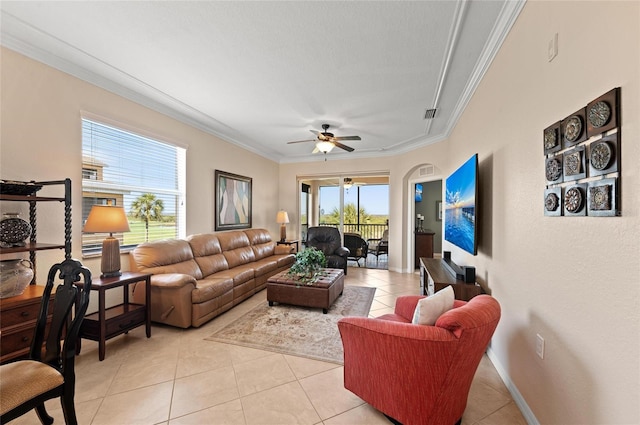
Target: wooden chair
x=49 y=370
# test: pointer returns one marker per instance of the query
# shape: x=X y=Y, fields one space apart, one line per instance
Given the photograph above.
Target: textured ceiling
x=260 y=74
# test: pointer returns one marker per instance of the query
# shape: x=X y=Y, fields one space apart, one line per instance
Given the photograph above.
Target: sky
x=374 y=198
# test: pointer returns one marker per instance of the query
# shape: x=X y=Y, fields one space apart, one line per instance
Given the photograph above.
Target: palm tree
x=350 y=216
x=147 y=207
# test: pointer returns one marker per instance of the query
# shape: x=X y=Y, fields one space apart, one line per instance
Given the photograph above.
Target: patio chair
x=357 y=246
x=379 y=246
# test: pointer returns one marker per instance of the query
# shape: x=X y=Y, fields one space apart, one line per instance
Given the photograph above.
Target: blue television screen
x=418 y=192
x=461 y=192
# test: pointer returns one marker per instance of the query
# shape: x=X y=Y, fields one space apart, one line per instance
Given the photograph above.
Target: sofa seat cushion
x=240 y=274
x=285 y=260
x=264 y=266
x=210 y=288
x=392 y=317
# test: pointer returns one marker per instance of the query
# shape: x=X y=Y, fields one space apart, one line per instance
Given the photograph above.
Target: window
x=145 y=176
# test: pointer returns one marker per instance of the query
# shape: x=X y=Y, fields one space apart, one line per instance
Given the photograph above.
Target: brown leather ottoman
x=320 y=294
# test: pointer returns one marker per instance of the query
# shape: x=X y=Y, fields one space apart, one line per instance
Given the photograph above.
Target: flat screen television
x=461 y=195
x=418 y=192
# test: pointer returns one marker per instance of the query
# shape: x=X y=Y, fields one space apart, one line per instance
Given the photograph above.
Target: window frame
x=98 y=186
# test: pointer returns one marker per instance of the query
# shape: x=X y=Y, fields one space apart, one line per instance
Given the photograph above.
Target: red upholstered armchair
x=418 y=374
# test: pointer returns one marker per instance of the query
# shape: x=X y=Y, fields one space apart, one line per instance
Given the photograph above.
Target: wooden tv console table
x=434 y=276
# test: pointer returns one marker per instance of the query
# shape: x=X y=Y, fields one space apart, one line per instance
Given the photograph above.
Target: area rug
x=299 y=331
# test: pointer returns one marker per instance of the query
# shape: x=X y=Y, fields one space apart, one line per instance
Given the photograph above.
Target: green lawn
x=157 y=231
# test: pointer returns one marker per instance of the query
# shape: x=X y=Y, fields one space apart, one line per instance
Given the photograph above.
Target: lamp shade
x=106 y=219
x=282 y=217
x=325 y=147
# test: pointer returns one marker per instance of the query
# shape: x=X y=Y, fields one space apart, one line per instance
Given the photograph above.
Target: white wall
x=41 y=140
x=575 y=281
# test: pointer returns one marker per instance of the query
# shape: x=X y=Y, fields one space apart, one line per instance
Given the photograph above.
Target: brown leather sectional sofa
x=199 y=278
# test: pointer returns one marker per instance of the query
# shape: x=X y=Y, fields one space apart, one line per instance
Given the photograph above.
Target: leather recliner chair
x=328 y=240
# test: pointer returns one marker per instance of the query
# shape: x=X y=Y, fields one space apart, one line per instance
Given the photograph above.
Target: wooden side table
x=290 y=243
x=434 y=277
x=109 y=322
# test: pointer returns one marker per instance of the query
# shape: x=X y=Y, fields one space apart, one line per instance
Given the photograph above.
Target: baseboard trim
x=517 y=397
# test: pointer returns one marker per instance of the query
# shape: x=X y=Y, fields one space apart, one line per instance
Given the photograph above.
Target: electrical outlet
x=552 y=48
x=540 y=346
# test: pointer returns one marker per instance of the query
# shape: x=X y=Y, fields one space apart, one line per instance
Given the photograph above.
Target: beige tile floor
x=176 y=377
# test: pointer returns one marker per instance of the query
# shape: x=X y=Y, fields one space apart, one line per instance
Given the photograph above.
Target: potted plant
x=308 y=266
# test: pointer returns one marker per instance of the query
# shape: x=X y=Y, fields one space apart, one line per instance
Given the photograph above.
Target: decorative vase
x=15 y=275
x=14 y=231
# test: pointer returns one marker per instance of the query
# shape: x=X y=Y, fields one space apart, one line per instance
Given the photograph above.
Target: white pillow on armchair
x=430 y=308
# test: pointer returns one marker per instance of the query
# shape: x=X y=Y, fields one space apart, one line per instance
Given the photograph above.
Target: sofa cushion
x=264 y=266
x=165 y=256
x=207 y=289
x=285 y=260
x=430 y=308
x=239 y=274
x=236 y=248
x=261 y=243
x=208 y=253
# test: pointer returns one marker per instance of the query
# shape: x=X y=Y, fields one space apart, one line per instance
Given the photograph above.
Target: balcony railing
x=366 y=231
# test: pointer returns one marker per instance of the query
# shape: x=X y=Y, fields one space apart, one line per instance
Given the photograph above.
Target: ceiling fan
x=348 y=182
x=326 y=141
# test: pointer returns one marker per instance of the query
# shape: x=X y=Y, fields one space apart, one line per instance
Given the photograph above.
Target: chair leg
x=68 y=408
x=44 y=417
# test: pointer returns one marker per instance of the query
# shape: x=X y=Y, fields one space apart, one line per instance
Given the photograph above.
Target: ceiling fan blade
x=315 y=150
x=345 y=147
x=347 y=138
x=302 y=141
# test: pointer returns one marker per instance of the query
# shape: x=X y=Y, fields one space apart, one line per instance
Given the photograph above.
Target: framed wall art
x=232 y=201
x=582 y=161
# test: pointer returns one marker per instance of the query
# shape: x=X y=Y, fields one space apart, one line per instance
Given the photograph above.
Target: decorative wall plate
x=600 y=156
x=551 y=138
x=573 y=129
x=574 y=199
x=603 y=156
x=553 y=202
x=602 y=113
x=553 y=169
x=599 y=114
x=602 y=198
x=574 y=164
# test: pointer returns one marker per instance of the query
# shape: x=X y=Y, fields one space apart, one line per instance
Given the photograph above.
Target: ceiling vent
x=429 y=114
x=429 y=170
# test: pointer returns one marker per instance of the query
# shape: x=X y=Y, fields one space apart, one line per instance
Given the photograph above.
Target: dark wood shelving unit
x=18 y=314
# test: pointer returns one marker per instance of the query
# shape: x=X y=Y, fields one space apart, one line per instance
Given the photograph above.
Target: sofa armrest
x=172 y=280
x=342 y=252
x=284 y=249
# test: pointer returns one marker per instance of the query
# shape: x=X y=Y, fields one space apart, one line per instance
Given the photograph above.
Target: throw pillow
x=430 y=308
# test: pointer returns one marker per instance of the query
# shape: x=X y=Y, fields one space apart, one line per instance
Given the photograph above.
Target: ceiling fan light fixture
x=325 y=147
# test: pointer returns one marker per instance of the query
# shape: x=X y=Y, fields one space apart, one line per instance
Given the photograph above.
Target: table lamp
x=283 y=219
x=108 y=219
